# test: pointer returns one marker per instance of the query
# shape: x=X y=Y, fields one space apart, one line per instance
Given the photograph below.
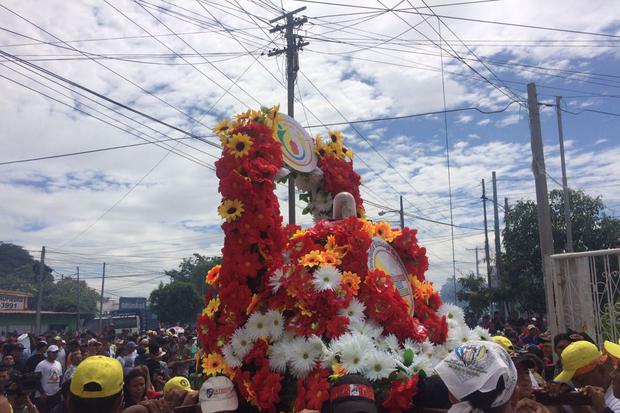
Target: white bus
x=121 y=323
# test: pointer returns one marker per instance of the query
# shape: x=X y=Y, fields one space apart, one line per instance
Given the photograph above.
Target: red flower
x=401 y=393
x=267 y=386
x=336 y=327
x=317 y=389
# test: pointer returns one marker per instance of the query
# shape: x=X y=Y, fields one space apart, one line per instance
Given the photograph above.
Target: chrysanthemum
x=379 y=365
x=311 y=259
x=368 y=329
x=232 y=359
x=330 y=258
x=231 y=209
x=257 y=326
x=481 y=333
x=278 y=357
x=239 y=145
x=351 y=280
x=275 y=281
x=213 y=364
x=354 y=311
x=452 y=313
x=327 y=277
x=275 y=323
x=354 y=358
x=390 y=343
x=212 y=307
x=241 y=342
x=302 y=357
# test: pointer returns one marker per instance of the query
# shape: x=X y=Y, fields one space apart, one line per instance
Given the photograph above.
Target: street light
x=401 y=212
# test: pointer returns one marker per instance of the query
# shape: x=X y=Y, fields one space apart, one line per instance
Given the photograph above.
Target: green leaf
x=408 y=357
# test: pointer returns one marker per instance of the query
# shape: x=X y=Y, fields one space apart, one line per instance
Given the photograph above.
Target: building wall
x=26 y=323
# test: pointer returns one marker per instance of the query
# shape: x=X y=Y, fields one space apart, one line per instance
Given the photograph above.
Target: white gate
x=586 y=288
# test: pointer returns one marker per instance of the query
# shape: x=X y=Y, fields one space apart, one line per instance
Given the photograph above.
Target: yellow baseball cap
x=97 y=377
x=579 y=358
x=612 y=349
x=504 y=342
x=178 y=382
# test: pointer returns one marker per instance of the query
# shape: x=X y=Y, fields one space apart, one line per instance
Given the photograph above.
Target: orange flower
x=383 y=230
x=312 y=259
x=213 y=364
x=338 y=371
x=422 y=290
x=351 y=280
x=331 y=246
x=330 y=258
x=213 y=275
x=252 y=304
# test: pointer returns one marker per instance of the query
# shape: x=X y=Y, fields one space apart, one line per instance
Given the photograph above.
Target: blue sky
x=141 y=211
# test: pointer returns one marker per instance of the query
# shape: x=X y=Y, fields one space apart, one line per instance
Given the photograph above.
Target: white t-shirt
x=51 y=375
x=62 y=357
x=611 y=401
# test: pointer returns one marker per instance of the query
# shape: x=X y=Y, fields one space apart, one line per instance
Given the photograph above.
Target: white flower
x=302 y=356
x=278 y=357
x=422 y=362
x=390 y=343
x=327 y=277
x=353 y=349
x=355 y=310
x=232 y=359
x=275 y=281
x=369 y=328
x=481 y=333
x=275 y=323
x=452 y=312
x=427 y=348
x=257 y=326
x=379 y=365
x=241 y=343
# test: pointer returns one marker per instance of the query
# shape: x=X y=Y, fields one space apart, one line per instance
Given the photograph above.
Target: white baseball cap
x=478 y=366
x=218 y=394
x=53 y=348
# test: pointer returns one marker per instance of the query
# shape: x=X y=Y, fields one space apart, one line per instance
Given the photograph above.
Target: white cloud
x=600 y=141
x=464 y=119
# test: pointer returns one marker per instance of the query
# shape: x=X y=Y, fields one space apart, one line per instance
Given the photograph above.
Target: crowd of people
x=153 y=372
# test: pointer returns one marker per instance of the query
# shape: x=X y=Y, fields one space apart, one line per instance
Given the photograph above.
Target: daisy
x=452 y=313
x=302 y=357
x=213 y=364
x=379 y=365
x=481 y=334
x=355 y=310
x=353 y=358
x=325 y=278
x=369 y=329
x=390 y=343
x=241 y=343
x=278 y=357
x=230 y=209
x=275 y=323
x=231 y=358
x=275 y=281
x=212 y=307
x=311 y=259
x=257 y=326
x=422 y=362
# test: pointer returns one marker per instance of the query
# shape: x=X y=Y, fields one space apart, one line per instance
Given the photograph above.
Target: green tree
x=63 y=296
x=476 y=294
x=522 y=279
x=178 y=301
x=194 y=269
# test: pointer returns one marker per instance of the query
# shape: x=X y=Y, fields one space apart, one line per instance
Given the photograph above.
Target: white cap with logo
x=218 y=394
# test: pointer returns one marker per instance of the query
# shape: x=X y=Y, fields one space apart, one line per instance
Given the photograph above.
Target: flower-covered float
x=291 y=309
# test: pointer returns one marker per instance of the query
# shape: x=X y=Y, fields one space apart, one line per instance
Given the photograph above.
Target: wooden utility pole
x=101 y=303
x=40 y=291
x=477 y=260
x=567 y=218
x=506 y=207
x=294 y=43
x=77 y=322
x=487 y=254
x=498 y=242
x=545 y=233
x=402 y=214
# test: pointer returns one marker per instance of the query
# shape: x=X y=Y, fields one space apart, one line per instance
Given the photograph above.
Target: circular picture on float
x=381 y=256
x=297 y=144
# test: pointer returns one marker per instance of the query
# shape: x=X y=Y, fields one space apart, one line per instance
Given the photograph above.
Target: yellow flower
x=212 y=307
x=351 y=280
x=256 y=116
x=368 y=227
x=222 y=127
x=231 y=209
x=331 y=246
x=338 y=371
x=383 y=230
x=330 y=258
x=298 y=234
x=239 y=145
x=335 y=137
x=312 y=259
x=422 y=290
x=213 y=364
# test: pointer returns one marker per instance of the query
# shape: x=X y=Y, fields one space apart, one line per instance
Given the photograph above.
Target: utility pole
x=40 y=290
x=402 y=214
x=294 y=43
x=498 y=242
x=567 y=218
x=506 y=207
x=477 y=260
x=542 y=203
x=487 y=255
x=77 y=324
x=101 y=303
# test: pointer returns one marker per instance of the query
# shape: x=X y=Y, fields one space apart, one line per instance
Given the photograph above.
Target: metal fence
x=586 y=288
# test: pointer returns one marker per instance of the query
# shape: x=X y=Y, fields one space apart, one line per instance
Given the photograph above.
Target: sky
x=141 y=209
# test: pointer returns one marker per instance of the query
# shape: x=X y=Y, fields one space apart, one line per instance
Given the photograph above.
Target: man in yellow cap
x=97 y=386
x=178 y=382
x=586 y=367
x=613 y=350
